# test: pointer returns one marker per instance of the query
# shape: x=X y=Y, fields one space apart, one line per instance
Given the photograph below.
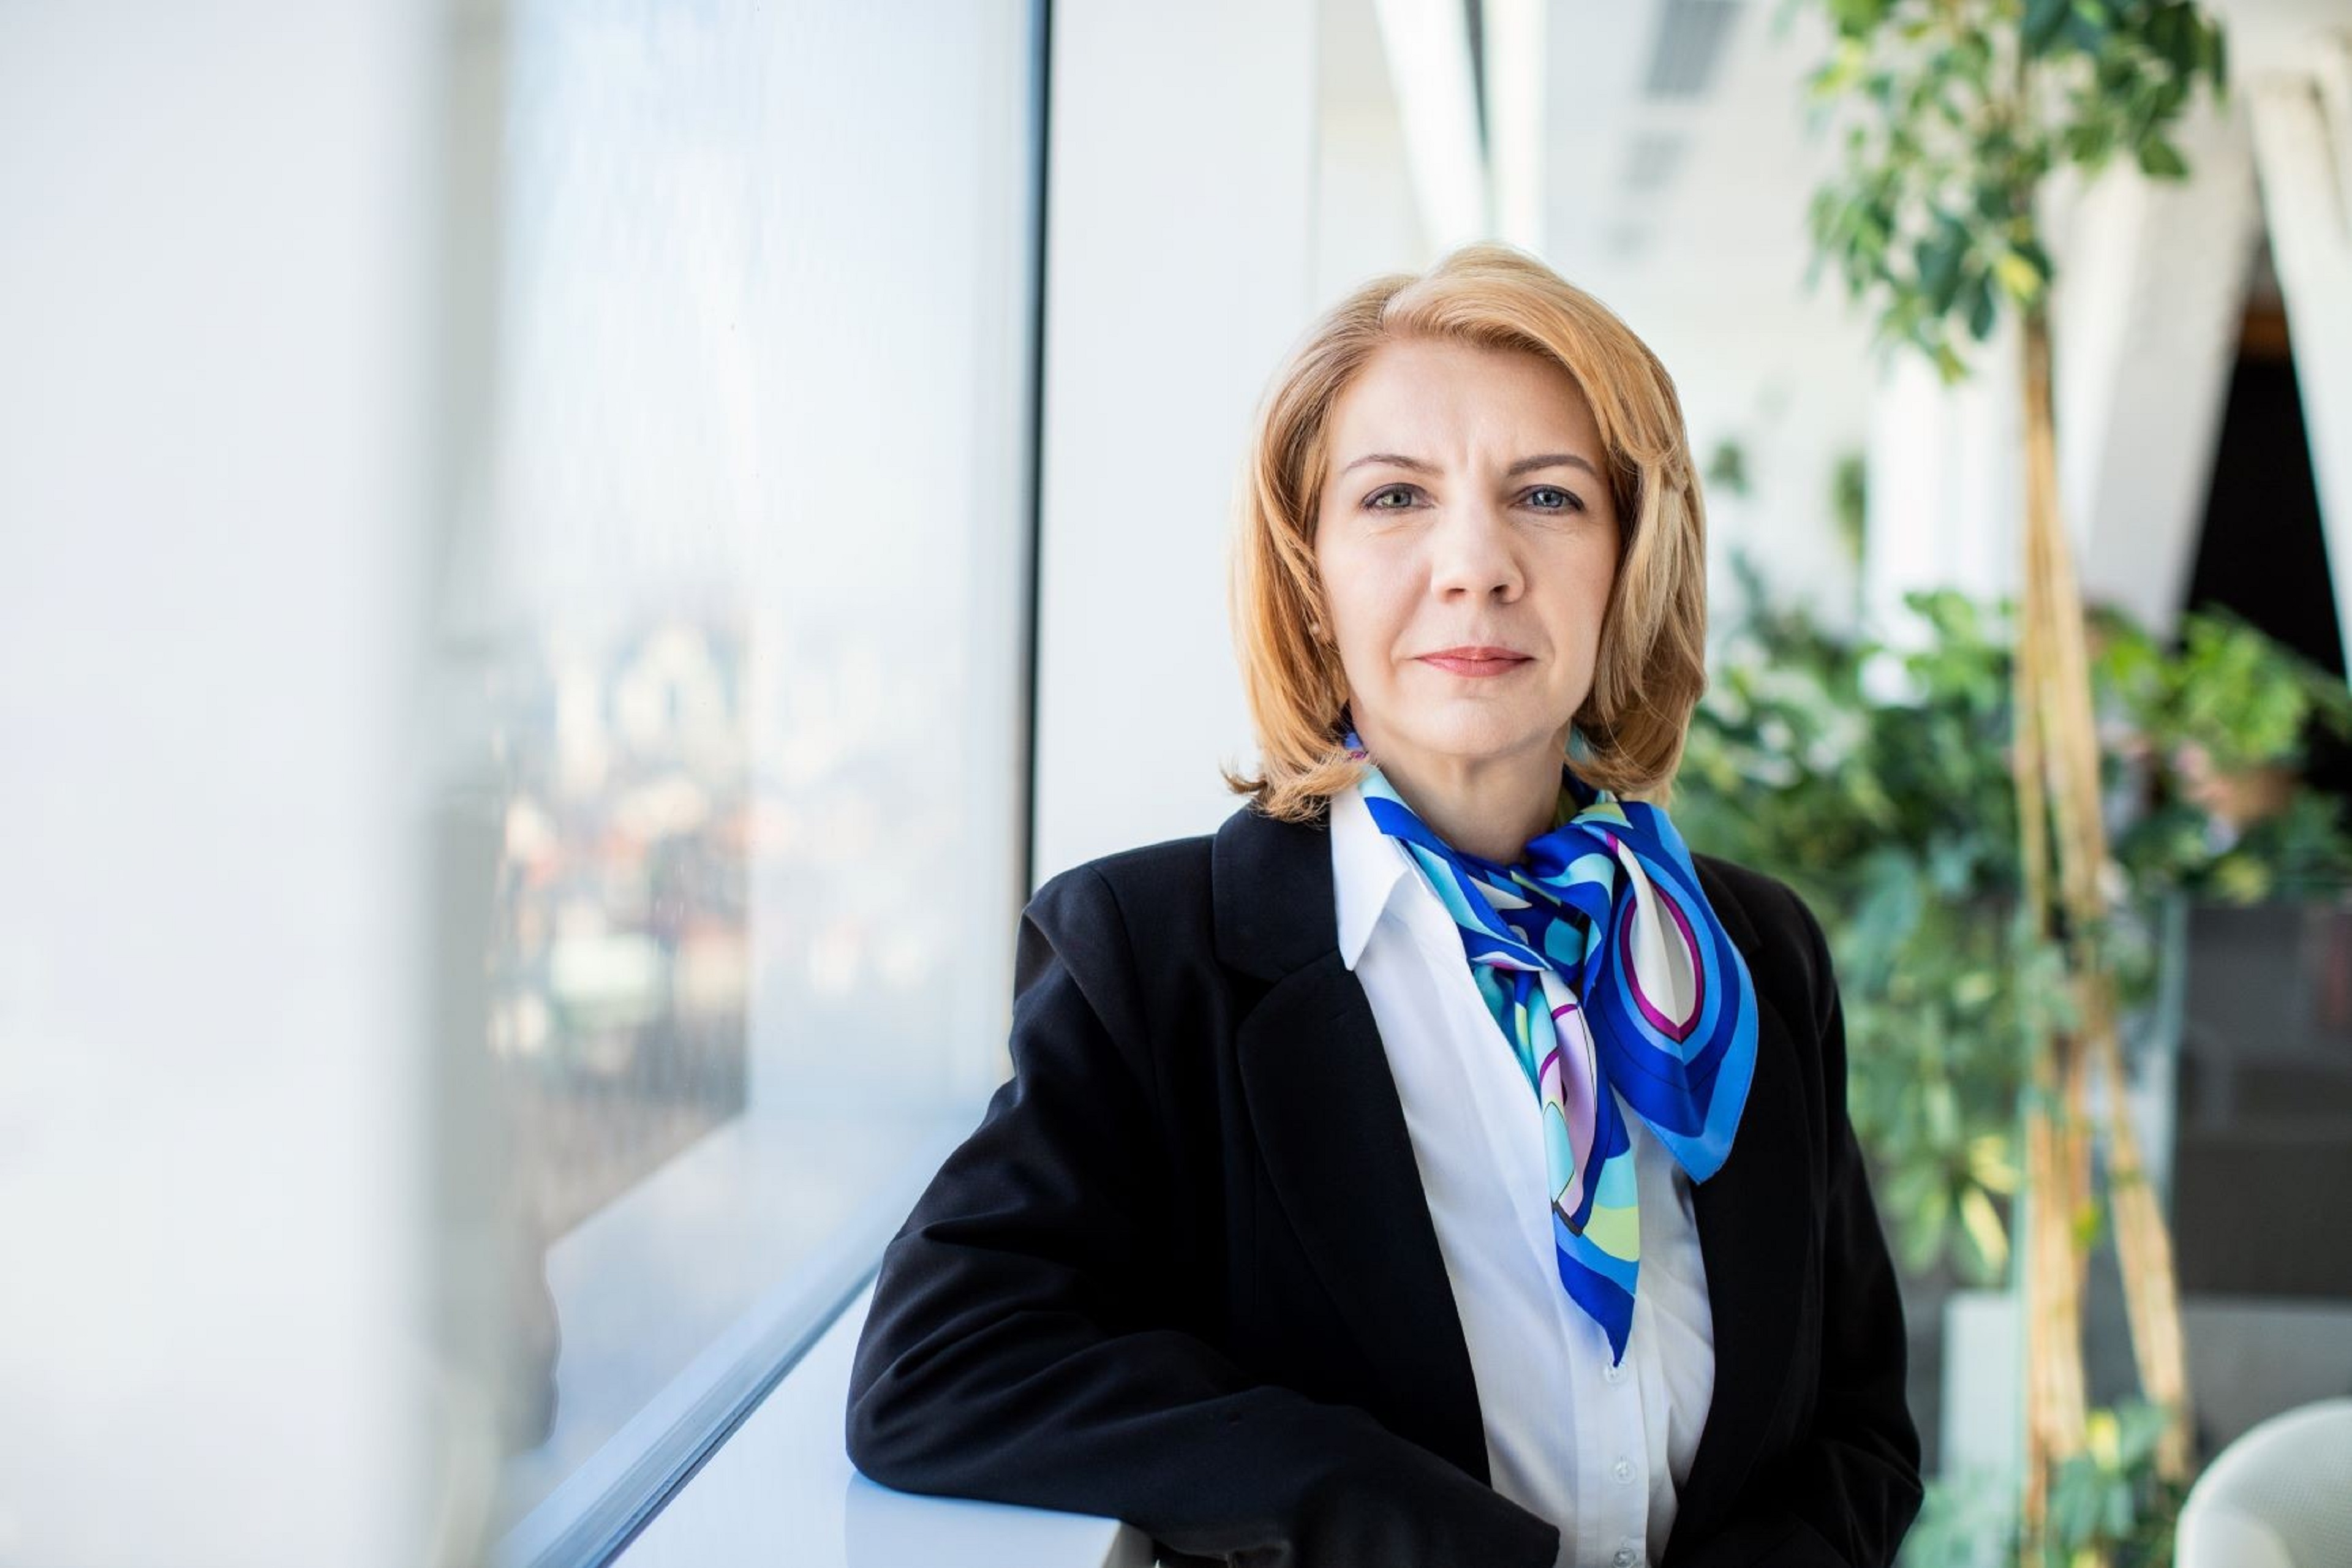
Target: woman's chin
x=1481 y=736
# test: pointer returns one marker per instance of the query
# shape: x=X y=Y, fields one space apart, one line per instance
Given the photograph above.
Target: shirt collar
x=1367 y=867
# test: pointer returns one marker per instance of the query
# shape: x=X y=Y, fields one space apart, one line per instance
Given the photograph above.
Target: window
x=748 y=568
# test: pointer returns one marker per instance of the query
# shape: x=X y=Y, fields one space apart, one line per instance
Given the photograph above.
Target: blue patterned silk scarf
x=1618 y=990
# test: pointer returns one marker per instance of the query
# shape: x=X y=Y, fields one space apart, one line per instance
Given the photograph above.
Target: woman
x=1439 y=1164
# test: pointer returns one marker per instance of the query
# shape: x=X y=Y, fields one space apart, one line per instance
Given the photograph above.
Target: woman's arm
x=1846 y=1497
x=1016 y=1350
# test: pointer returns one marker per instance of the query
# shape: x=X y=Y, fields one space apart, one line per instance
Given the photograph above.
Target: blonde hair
x=1652 y=664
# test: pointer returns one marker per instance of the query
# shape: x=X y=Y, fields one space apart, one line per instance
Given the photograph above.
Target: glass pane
x=749 y=570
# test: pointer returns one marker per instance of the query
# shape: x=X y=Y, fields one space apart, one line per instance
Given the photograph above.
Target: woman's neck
x=1486 y=806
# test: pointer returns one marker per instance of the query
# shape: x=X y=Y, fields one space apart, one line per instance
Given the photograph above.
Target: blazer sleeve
x=1849 y=1493
x=1019 y=1348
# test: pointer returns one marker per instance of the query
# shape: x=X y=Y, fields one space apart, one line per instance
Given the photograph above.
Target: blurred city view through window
x=618 y=985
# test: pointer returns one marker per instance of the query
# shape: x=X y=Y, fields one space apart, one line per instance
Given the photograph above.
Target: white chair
x=2279 y=1497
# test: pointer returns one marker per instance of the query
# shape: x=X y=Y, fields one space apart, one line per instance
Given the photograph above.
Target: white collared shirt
x=1598 y=1449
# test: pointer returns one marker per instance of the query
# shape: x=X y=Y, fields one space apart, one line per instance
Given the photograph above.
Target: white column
x=2152 y=291
x=1179 y=253
x=1516 y=46
x=1945 y=468
x=1437 y=87
x=2303 y=148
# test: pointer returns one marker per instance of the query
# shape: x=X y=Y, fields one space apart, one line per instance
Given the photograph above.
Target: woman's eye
x=1379 y=499
x=1550 y=498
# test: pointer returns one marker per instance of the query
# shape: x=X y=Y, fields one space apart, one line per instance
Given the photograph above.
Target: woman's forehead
x=1444 y=393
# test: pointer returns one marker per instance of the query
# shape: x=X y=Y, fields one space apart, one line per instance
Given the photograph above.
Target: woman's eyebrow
x=1550 y=461
x=1524 y=465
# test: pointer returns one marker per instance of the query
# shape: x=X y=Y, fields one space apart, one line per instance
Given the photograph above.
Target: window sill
x=781 y=1489
x=678 y=1304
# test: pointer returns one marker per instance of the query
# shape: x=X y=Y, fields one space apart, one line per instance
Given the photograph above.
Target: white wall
x=1366 y=218
x=1703 y=252
x=216 y=273
x=1787 y=381
x=1178 y=269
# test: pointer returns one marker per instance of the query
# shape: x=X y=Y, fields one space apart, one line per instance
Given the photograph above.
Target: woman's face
x=1468 y=546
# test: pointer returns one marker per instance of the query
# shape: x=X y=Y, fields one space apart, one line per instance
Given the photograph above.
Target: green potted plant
x=1955 y=114
x=1895 y=818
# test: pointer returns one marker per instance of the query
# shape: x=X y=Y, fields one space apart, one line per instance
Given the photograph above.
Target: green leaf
x=2019 y=278
x=2172 y=34
x=2139 y=1427
x=2089 y=1224
x=1842 y=70
x=1981 y=1224
x=1855 y=18
x=2042 y=20
x=2031 y=250
x=2160 y=160
x=2074 y=1501
x=1938 y=260
x=2088 y=142
x=1982 y=305
x=2119 y=1511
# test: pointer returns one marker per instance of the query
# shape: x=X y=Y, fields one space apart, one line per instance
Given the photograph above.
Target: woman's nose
x=1473 y=554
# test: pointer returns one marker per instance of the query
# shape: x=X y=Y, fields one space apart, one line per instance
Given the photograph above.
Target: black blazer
x=1183 y=1273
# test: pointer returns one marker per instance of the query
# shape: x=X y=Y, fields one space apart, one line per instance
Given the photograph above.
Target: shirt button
x=1614 y=1371
x=1624 y=1558
x=1623 y=1470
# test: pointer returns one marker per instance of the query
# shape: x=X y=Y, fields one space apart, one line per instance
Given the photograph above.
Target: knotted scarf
x=1619 y=992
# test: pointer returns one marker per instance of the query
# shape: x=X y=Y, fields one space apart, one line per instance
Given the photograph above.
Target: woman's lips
x=1481 y=664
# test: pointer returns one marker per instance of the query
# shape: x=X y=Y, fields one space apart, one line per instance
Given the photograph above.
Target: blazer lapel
x=1758 y=1250
x=1332 y=1134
